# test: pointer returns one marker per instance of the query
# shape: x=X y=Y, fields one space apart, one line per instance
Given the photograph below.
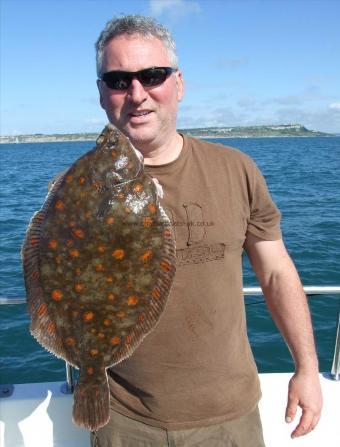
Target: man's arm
x=287 y=303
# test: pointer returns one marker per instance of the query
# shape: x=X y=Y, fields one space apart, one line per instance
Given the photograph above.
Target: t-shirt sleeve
x=264 y=216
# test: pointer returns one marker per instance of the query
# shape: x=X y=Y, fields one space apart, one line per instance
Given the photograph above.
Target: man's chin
x=140 y=136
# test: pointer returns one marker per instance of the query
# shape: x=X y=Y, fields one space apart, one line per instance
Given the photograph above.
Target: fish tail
x=91 y=407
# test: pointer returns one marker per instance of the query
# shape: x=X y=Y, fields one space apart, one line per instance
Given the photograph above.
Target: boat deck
x=39 y=415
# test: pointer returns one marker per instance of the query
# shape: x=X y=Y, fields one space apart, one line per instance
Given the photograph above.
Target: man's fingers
x=291 y=409
x=305 y=425
x=315 y=421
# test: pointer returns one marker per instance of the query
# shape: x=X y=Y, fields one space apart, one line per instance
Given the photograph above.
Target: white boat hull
x=39 y=415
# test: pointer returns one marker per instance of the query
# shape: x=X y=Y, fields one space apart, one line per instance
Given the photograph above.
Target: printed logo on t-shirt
x=193 y=230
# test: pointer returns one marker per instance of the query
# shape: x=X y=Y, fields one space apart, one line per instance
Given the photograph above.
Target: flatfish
x=99 y=262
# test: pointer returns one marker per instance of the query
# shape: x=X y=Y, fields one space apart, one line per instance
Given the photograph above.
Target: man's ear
x=180 y=86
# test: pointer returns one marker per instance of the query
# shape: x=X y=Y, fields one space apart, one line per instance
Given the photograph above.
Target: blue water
x=303 y=178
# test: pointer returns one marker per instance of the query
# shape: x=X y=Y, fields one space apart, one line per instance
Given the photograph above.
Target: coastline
x=277 y=131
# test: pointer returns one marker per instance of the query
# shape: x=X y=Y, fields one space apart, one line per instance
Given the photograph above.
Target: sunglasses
x=149 y=77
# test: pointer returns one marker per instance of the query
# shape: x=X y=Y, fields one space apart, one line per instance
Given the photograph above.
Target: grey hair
x=135 y=24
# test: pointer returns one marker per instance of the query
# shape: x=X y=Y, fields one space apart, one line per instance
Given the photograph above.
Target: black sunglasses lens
x=117 y=81
x=152 y=76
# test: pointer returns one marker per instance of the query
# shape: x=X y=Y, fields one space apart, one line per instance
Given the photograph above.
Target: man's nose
x=136 y=91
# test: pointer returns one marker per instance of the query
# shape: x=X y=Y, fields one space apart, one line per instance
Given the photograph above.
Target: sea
x=303 y=176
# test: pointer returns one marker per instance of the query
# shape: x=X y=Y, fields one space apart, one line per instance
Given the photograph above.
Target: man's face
x=147 y=115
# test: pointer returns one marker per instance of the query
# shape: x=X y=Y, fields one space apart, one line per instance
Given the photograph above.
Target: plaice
x=99 y=262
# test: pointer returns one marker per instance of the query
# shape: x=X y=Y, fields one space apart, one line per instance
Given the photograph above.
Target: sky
x=243 y=62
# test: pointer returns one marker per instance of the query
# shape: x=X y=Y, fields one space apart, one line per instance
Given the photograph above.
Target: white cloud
x=334 y=106
x=173 y=8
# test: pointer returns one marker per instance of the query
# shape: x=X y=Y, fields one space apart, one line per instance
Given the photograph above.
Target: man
x=193 y=380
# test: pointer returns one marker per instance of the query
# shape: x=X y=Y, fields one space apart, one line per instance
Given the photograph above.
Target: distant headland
x=281 y=130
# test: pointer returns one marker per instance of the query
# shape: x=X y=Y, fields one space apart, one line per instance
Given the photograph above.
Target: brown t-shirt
x=196 y=367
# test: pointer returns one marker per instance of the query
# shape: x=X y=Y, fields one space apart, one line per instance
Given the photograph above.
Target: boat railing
x=310 y=291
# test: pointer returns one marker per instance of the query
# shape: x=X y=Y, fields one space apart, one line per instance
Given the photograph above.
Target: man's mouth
x=141 y=113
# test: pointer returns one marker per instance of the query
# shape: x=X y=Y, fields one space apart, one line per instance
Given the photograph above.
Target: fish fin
x=42 y=327
x=55 y=180
x=91 y=407
x=159 y=187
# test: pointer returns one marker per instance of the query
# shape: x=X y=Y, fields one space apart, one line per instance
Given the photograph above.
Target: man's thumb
x=291 y=409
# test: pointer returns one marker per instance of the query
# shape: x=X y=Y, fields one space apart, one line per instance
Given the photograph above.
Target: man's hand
x=304 y=391
x=288 y=305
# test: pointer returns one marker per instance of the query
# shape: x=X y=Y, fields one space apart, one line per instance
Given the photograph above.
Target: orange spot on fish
x=132 y=300
x=42 y=309
x=111 y=296
x=110 y=220
x=100 y=335
x=167 y=233
x=70 y=341
x=101 y=248
x=109 y=279
x=90 y=371
x=118 y=254
x=138 y=188
x=69 y=179
x=69 y=243
x=34 y=241
x=81 y=180
x=146 y=256
x=74 y=253
x=165 y=266
x=51 y=328
x=128 y=339
x=147 y=222
x=93 y=330
x=121 y=314
x=88 y=316
x=115 y=341
x=155 y=293
x=99 y=267
x=107 y=322
x=94 y=352
x=35 y=275
x=141 y=318
x=78 y=233
x=52 y=244
x=57 y=295
x=152 y=208
x=59 y=205
x=78 y=287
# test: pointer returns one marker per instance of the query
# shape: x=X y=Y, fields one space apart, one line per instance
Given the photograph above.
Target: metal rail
x=68 y=387
x=309 y=291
